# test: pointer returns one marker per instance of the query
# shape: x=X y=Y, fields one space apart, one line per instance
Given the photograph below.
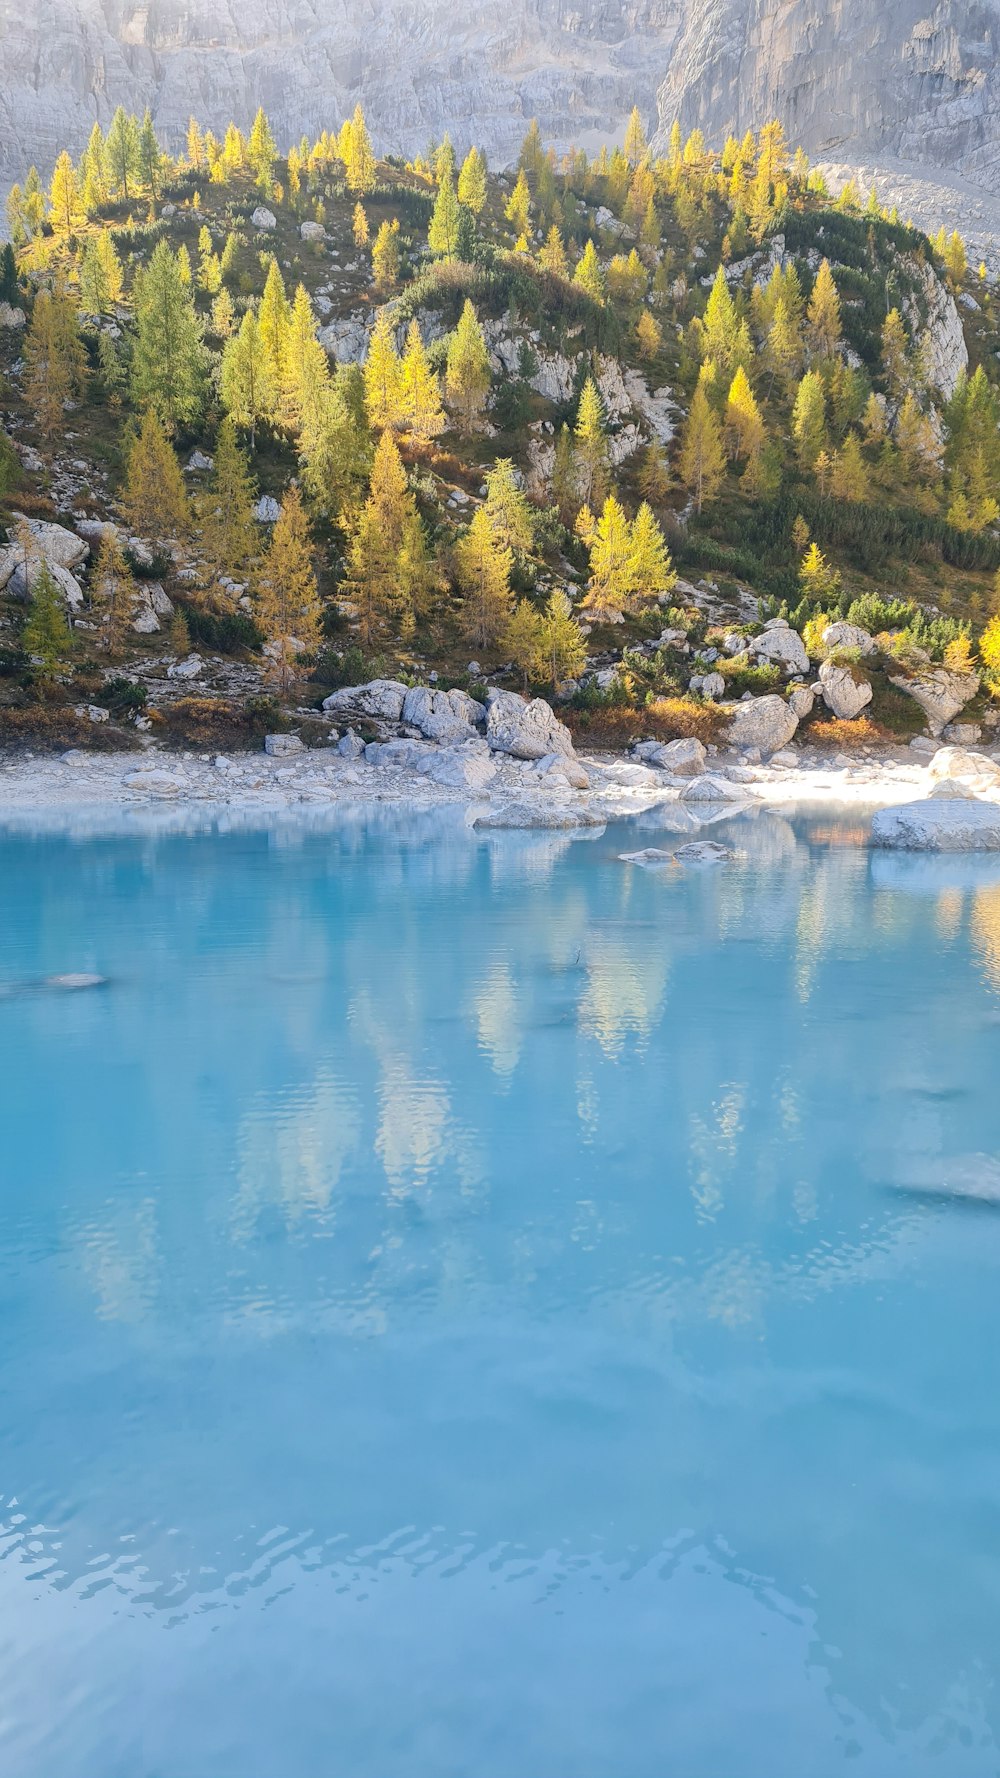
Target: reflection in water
x=467 y=1260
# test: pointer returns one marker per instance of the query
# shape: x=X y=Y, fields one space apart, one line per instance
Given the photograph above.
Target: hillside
x=312 y=419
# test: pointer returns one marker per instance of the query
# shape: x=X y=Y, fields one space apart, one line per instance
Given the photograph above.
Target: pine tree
x=306 y=367
x=168 y=360
x=387 y=559
x=590 y=446
x=359 y=226
x=562 y=645
x=635 y=138
x=442 y=235
x=507 y=509
x=744 y=426
x=552 y=257
x=518 y=206
x=101 y=276
x=154 y=500
x=359 y=159
x=524 y=641
x=195 y=145
x=654 y=474
x=273 y=321
x=588 y=273
x=612 y=566
x=246 y=384
x=483 y=564
x=287 y=604
x=121 y=153
x=223 y=315
x=383 y=377
x=653 y=574
x=46 y=635
x=472 y=182
x=65 y=205
x=824 y=313
x=467 y=378
x=894 y=351
x=112 y=591
x=55 y=362
x=94 y=171
x=783 y=350
x=262 y=152
x=649 y=336
x=229 y=535
x=956 y=264
x=335 y=445
x=565 y=477
x=809 y=419
x=385 y=257
x=819 y=582
x=420 y=394
x=702 y=459
x=849 y=475
x=149 y=156
x=719 y=324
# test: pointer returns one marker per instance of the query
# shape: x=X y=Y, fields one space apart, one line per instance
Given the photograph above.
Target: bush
x=741 y=677
x=226 y=632
x=124 y=696
x=665 y=719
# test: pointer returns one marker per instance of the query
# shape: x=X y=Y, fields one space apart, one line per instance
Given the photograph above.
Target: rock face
x=940 y=693
x=844 y=692
x=932 y=826
x=382 y=698
x=442 y=715
x=766 y=723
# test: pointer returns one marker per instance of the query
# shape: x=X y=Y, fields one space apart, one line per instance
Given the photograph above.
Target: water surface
x=469 y=1307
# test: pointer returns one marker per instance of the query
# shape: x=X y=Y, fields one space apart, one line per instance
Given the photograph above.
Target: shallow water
x=471 y=1307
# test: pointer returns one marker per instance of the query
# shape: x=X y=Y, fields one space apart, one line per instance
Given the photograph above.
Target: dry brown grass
x=41 y=725
x=837 y=731
x=667 y=719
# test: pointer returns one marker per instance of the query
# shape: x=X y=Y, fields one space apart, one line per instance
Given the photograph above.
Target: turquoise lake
x=471 y=1308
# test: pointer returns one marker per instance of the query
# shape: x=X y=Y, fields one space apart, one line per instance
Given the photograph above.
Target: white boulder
x=845 y=691
x=766 y=723
x=283 y=746
x=684 y=758
x=264 y=218
x=784 y=647
x=10 y=316
x=844 y=635
x=526 y=729
x=267 y=511
x=312 y=231
x=712 y=789
x=956 y=762
x=442 y=715
x=801 y=700
x=381 y=698
x=957 y=825
x=939 y=692
x=186 y=669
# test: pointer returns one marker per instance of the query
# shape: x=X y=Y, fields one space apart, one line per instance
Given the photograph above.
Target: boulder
x=684 y=758
x=200 y=461
x=312 y=231
x=963 y=734
x=283 y=746
x=952 y=789
x=405 y=755
x=940 y=693
x=956 y=762
x=957 y=825
x=55 y=544
x=842 y=635
x=381 y=698
x=267 y=511
x=526 y=729
x=350 y=746
x=154 y=781
x=22 y=582
x=708 y=685
x=801 y=700
x=650 y=858
x=186 y=669
x=703 y=852
x=712 y=789
x=543 y=815
x=467 y=767
x=845 y=691
x=442 y=715
x=564 y=767
x=264 y=218
x=784 y=646
x=765 y=723
x=11 y=316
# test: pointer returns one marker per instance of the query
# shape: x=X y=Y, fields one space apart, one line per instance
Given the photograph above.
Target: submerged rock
x=703 y=852
x=650 y=858
x=543 y=815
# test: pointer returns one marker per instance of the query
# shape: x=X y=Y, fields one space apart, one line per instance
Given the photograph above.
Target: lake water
x=470 y=1308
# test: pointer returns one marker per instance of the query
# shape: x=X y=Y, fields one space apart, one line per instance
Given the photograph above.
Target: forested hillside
x=307 y=417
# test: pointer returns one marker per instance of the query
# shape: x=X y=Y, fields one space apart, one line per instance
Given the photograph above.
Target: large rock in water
x=939 y=692
x=381 y=698
x=845 y=691
x=526 y=729
x=932 y=826
x=767 y=723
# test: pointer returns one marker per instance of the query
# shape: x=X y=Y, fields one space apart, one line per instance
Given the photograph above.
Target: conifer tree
x=385 y=257
x=442 y=235
x=101 y=276
x=612 y=573
x=55 y=362
x=305 y=368
x=590 y=446
x=507 y=509
x=956 y=264
x=588 y=273
x=565 y=479
x=121 y=153
x=262 y=152
x=849 y=475
x=154 y=500
x=359 y=159
x=359 y=225
x=472 y=182
x=195 y=145
x=654 y=474
x=148 y=155
x=483 y=564
x=335 y=444
x=552 y=257
x=223 y=315
x=824 y=313
x=894 y=351
x=420 y=394
x=168 y=360
x=287 y=605
x=387 y=559
x=383 y=377
x=809 y=419
x=649 y=335
x=524 y=640
x=635 y=138
x=562 y=645
x=518 y=206
x=744 y=426
x=46 y=635
x=65 y=203
x=532 y=156
x=653 y=574
x=273 y=320
x=246 y=382
x=93 y=171
x=702 y=459
x=112 y=591
x=229 y=535
x=467 y=378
